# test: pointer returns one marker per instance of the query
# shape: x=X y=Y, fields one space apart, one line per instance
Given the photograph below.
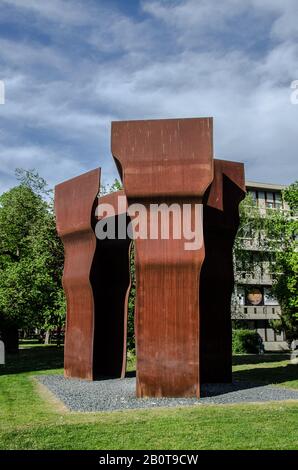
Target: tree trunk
x=47 y=337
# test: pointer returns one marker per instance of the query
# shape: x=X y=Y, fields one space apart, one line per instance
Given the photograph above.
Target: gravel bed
x=119 y=394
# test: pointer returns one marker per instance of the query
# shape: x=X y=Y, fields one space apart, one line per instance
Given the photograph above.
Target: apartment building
x=254 y=304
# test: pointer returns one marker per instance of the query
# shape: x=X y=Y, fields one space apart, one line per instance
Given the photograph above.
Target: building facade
x=254 y=305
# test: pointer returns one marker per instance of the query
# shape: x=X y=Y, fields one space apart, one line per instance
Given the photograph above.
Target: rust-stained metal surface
x=74 y=205
x=111 y=283
x=182 y=314
x=96 y=281
x=221 y=221
x=163 y=157
x=167 y=161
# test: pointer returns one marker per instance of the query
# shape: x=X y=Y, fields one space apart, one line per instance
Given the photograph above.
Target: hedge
x=246 y=341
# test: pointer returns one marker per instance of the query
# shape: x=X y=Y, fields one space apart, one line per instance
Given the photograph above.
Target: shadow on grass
x=243 y=359
x=33 y=360
x=269 y=375
x=45 y=358
x=253 y=376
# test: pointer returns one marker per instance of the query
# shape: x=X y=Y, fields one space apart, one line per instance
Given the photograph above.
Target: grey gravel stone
x=119 y=394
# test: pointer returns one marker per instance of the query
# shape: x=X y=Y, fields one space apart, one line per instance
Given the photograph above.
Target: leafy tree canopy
x=276 y=234
x=31 y=256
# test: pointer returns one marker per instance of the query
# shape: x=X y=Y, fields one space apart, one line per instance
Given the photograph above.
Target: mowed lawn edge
x=259 y=426
x=32 y=418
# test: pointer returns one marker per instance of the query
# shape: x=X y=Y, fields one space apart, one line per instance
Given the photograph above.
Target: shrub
x=246 y=341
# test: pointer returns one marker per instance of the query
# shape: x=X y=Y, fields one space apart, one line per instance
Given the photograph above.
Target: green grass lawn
x=274 y=369
x=30 y=418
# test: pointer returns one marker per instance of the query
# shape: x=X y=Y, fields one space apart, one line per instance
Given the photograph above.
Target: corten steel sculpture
x=75 y=202
x=221 y=221
x=167 y=161
x=96 y=282
x=182 y=318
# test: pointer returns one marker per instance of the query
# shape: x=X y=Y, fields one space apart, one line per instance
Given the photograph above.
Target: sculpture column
x=166 y=162
x=221 y=222
x=75 y=202
x=96 y=279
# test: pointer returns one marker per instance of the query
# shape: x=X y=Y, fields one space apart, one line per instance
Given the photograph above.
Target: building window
x=269 y=298
x=270 y=200
x=273 y=200
x=260 y=197
x=278 y=200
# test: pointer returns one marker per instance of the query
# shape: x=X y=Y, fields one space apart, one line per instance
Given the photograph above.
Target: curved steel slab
x=221 y=221
x=74 y=205
x=164 y=157
x=166 y=161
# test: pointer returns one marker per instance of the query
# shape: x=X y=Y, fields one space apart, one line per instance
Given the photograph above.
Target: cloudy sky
x=70 y=67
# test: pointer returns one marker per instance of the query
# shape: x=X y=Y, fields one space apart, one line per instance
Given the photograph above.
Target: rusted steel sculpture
x=221 y=221
x=166 y=161
x=75 y=202
x=183 y=293
x=96 y=282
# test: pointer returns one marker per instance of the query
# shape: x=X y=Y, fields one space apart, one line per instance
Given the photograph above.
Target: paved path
x=117 y=394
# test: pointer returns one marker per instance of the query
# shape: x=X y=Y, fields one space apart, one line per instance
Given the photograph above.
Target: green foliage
x=110 y=188
x=31 y=257
x=290 y=195
x=31 y=179
x=245 y=341
x=20 y=208
x=286 y=262
x=131 y=303
x=275 y=232
x=48 y=257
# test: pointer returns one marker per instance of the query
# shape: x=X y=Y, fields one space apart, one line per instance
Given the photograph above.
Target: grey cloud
x=71 y=12
x=135 y=75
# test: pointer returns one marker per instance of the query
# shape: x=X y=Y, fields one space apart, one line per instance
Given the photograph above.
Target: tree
x=110 y=188
x=47 y=259
x=31 y=258
x=275 y=232
x=285 y=287
x=131 y=303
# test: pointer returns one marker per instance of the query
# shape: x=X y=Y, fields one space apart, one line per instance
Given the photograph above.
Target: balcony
x=252 y=244
x=268 y=312
x=251 y=278
x=260 y=243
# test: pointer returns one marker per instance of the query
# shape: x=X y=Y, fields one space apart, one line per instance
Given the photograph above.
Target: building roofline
x=257 y=185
